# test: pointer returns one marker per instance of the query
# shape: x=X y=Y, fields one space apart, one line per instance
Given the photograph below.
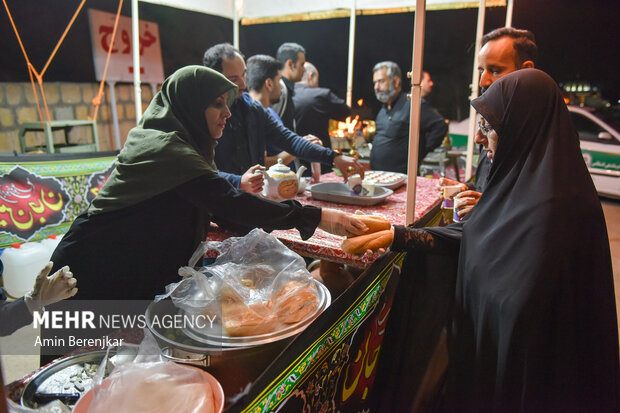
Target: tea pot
x=280 y=182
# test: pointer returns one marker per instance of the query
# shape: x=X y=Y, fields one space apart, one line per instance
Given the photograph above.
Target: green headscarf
x=171 y=145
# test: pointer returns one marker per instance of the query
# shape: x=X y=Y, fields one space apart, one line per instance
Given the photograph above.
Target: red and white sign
x=120 y=68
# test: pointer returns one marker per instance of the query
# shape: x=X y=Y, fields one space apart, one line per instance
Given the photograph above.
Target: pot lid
x=280 y=170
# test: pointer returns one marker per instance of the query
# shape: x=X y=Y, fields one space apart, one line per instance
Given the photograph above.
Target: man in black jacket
x=315 y=106
x=293 y=57
x=390 y=147
x=241 y=149
x=503 y=51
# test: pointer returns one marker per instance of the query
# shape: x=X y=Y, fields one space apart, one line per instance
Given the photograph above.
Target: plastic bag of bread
x=295 y=301
x=155 y=387
x=256 y=284
x=143 y=381
x=241 y=319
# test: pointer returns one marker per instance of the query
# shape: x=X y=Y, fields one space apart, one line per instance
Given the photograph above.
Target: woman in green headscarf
x=157 y=204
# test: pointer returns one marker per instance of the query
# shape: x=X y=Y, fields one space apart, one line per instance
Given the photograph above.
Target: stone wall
x=66 y=101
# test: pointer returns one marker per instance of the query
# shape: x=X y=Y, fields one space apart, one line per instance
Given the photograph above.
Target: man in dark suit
x=293 y=57
x=315 y=106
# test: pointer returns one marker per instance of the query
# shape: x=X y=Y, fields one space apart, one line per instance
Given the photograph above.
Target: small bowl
x=84 y=402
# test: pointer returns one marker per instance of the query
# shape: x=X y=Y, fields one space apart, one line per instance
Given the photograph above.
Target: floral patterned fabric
x=323 y=245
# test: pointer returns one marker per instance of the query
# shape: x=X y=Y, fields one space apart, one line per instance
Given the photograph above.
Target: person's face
x=385 y=88
x=234 y=70
x=426 y=84
x=276 y=89
x=298 y=68
x=496 y=59
x=216 y=115
x=487 y=137
x=313 y=79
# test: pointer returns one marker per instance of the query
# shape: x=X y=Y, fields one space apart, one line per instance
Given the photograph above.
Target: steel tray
x=54 y=381
x=339 y=192
x=402 y=179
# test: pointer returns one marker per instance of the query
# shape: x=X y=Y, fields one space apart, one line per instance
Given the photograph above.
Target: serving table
x=334 y=362
x=325 y=246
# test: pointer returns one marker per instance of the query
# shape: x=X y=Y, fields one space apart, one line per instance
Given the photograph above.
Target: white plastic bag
x=257 y=285
x=146 y=382
x=154 y=387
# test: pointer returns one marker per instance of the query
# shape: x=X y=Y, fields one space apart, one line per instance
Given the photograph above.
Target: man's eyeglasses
x=484 y=127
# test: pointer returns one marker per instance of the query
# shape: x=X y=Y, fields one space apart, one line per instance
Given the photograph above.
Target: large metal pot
x=234 y=361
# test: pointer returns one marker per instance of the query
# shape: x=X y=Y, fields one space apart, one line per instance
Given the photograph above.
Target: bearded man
x=390 y=147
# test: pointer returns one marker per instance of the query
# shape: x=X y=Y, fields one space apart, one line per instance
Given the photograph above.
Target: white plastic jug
x=51 y=243
x=22 y=264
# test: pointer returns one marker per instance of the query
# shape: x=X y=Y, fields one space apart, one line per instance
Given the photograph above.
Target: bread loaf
x=373 y=241
x=295 y=301
x=374 y=223
x=240 y=319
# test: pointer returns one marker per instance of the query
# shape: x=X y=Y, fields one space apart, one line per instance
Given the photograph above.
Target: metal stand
x=49 y=127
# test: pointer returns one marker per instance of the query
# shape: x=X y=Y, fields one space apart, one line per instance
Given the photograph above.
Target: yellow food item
x=374 y=223
x=374 y=241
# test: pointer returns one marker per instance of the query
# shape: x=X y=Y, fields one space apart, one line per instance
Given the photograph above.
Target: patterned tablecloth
x=323 y=245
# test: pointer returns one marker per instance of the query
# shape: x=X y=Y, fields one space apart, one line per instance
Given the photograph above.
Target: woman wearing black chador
x=534 y=322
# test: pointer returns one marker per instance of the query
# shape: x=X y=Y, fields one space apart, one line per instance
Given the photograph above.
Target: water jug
x=50 y=243
x=22 y=264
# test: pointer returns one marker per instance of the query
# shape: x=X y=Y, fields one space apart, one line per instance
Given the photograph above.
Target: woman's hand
x=465 y=201
x=252 y=180
x=449 y=182
x=341 y=223
x=380 y=251
x=370 y=253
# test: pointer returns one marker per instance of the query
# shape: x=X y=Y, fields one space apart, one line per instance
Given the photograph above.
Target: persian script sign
x=96 y=181
x=121 y=62
x=29 y=202
x=75 y=181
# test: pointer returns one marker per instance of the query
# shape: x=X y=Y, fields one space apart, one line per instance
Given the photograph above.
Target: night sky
x=578 y=40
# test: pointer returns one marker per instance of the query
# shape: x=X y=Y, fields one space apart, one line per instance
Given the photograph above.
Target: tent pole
x=414 y=120
x=135 y=28
x=509 y=7
x=113 y=111
x=475 y=80
x=349 y=98
x=235 y=25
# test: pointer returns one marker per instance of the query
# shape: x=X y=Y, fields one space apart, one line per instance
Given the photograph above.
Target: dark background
x=577 y=40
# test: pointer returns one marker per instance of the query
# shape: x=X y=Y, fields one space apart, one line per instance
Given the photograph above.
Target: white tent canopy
x=252 y=9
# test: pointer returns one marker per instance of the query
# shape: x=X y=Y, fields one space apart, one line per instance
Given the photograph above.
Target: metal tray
x=324 y=298
x=402 y=178
x=55 y=380
x=339 y=192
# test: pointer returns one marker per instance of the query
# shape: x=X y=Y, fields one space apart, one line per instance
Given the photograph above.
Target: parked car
x=599 y=135
x=600 y=145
